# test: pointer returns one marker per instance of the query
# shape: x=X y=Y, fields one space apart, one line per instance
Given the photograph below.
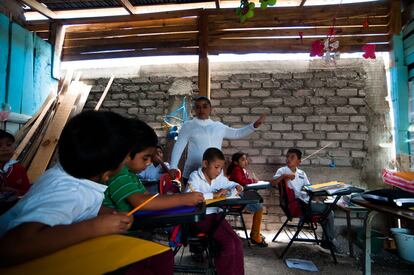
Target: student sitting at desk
x=64 y=206
x=237 y=173
x=154 y=171
x=296 y=180
x=210 y=180
x=13 y=175
x=125 y=191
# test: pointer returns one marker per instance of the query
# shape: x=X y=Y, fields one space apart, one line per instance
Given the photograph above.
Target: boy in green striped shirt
x=125 y=191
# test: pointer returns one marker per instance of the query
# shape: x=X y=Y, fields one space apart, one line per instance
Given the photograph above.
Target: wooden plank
x=40 y=8
x=4 y=54
x=408 y=51
x=409 y=59
x=132 y=46
x=35 y=126
x=130 y=18
x=42 y=72
x=203 y=62
x=130 y=31
x=217 y=2
x=355 y=30
x=134 y=53
x=379 y=20
x=35 y=26
x=130 y=39
x=409 y=42
x=128 y=6
x=302 y=3
x=101 y=99
x=297 y=48
x=134 y=24
x=408 y=29
x=81 y=101
x=56 y=39
x=395 y=17
x=51 y=138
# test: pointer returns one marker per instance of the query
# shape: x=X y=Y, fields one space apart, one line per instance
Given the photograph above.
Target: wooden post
x=399 y=87
x=57 y=37
x=203 y=63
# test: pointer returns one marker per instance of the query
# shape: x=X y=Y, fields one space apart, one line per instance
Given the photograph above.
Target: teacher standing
x=201 y=133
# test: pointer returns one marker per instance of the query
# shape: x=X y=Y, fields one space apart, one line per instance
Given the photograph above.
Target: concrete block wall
x=308 y=106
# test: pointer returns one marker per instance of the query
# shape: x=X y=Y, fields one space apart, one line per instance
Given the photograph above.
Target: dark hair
x=201 y=98
x=295 y=151
x=93 y=143
x=212 y=153
x=159 y=146
x=144 y=136
x=4 y=134
x=234 y=158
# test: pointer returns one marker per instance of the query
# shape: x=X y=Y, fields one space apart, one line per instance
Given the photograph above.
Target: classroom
x=206 y=137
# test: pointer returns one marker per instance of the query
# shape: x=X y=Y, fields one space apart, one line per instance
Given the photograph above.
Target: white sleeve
x=195 y=184
x=279 y=173
x=305 y=180
x=179 y=146
x=233 y=133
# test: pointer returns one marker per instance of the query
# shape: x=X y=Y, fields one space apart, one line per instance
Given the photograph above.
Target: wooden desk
x=374 y=209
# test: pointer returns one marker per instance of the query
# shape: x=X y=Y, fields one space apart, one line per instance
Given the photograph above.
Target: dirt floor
x=263 y=261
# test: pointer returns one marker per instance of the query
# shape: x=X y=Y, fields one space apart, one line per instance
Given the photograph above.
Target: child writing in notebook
x=210 y=180
x=237 y=172
x=13 y=175
x=125 y=191
x=296 y=180
x=64 y=206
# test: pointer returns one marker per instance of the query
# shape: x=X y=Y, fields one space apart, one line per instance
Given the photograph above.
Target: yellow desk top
x=95 y=256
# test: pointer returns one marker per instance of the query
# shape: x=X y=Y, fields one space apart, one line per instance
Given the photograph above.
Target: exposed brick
x=346 y=110
x=240 y=143
x=230 y=102
x=314 y=83
x=332 y=144
x=358 y=154
x=271 y=152
x=357 y=101
x=304 y=110
x=271 y=84
x=239 y=93
x=326 y=110
x=248 y=102
x=239 y=110
x=251 y=85
x=359 y=136
x=294 y=136
x=219 y=94
x=274 y=118
x=339 y=153
x=323 y=74
x=241 y=76
x=146 y=103
x=283 y=143
x=358 y=118
x=215 y=77
x=315 y=135
x=281 y=93
x=337 y=101
x=315 y=100
x=337 y=83
x=362 y=93
x=316 y=118
x=156 y=95
x=294 y=101
x=302 y=127
x=306 y=144
x=356 y=83
x=258 y=160
x=231 y=85
x=352 y=144
x=348 y=74
x=271 y=135
x=347 y=92
x=324 y=92
x=303 y=92
x=324 y=127
x=215 y=102
x=119 y=96
x=260 y=110
x=132 y=88
x=282 y=75
x=291 y=84
x=127 y=103
x=262 y=143
x=231 y=119
x=338 y=118
x=221 y=110
x=215 y=85
x=294 y=118
x=272 y=101
x=363 y=128
x=261 y=93
x=347 y=127
x=281 y=127
x=337 y=136
x=260 y=76
x=110 y=103
x=282 y=110
x=304 y=75
x=140 y=80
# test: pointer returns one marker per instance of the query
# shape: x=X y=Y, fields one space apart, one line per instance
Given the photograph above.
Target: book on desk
x=331 y=187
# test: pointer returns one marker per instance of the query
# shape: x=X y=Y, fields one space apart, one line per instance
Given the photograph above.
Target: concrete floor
x=265 y=261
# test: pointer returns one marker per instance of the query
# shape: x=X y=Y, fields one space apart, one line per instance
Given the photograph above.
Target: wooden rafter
x=128 y=6
x=302 y=3
x=40 y=8
x=217 y=3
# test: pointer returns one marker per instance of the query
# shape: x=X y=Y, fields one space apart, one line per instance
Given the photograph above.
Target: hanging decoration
x=245 y=10
x=330 y=47
x=174 y=120
x=301 y=37
x=369 y=51
x=265 y=3
x=317 y=48
x=365 y=25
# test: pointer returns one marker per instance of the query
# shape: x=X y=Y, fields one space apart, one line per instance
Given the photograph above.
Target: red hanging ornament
x=331 y=31
x=369 y=51
x=317 y=48
x=365 y=25
x=301 y=37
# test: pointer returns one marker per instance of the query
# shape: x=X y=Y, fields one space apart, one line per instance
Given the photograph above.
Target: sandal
x=263 y=243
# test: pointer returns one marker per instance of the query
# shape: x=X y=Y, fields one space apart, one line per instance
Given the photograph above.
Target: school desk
x=373 y=210
x=95 y=256
x=168 y=217
x=258 y=186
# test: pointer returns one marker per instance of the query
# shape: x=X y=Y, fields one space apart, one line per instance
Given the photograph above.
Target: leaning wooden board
x=51 y=138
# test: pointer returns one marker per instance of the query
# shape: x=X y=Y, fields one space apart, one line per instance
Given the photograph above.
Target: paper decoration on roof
x=317 y=48
x=369 y=51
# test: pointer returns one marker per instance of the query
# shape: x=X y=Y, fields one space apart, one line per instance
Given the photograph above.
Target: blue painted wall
x=25 y=68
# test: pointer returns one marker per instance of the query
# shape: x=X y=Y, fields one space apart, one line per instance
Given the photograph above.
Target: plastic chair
x=294 y=208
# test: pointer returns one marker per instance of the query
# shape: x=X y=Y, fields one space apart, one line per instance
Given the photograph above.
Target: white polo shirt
x=56 y=198
x=201 y=135
x=199 y=183
x=297 y=183
x=152 y=172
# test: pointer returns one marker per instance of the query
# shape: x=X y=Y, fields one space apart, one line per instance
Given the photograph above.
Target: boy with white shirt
x=297 y=180
x=210 y=181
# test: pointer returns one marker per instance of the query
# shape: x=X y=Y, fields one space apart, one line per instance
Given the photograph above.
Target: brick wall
x=307 y=109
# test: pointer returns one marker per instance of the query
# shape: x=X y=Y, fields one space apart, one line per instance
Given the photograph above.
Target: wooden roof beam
x=217 y=3
x=302 y=3
x=40 y=8
x=128 y=6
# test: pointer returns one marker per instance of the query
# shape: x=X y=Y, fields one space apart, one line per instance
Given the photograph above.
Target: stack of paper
x=330 y=187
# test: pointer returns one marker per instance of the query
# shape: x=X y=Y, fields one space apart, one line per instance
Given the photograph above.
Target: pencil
x=142 y=205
